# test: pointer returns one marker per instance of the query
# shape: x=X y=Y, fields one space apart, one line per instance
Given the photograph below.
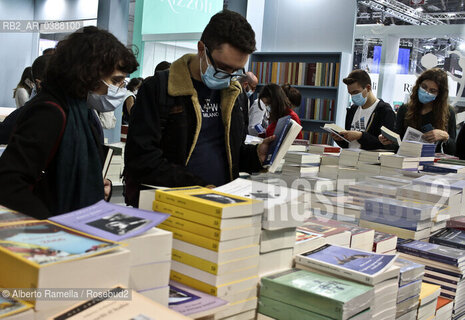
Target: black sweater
x=447 y=146
x=27 y=166
x=383 y=115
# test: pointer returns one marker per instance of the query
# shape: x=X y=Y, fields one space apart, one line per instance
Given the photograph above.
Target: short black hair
x=164 y=65
x=229 y=27
x=39 y=67
x=360 y=76
x=85 y=57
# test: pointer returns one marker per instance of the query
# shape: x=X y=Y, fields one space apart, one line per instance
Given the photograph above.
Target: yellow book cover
x=428 y=289
x=336 y=76
x=191 y=238
x=301 y=70
x=193 y=227
x=207 y=288
x=211 y=202
x=25 y=248
x=274 y=72
x=10 y=306
x=194 y=216
x=318 y=74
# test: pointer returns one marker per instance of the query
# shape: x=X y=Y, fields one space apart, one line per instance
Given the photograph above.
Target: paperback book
x=8 y=216
x=327 y=295
x=44 y=243
x=435 y=252
x=10 y=306
x=193 y=303
x=450 y=237
x=366 y=267
x=111 y=221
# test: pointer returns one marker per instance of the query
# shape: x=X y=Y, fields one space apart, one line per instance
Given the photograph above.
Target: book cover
x=454 y=238
x=44 y=243
x=327 y=295
x=409 y=271
x=325 y=231
x=111 y=221
x=432 y=251
x=361 y=265
x=282 y=127
x=191 y=302
x=456 y=222
x=8 y=216
x=119 y=303
x=10 y=306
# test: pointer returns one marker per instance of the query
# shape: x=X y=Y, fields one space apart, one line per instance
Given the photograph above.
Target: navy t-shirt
x=209 y=160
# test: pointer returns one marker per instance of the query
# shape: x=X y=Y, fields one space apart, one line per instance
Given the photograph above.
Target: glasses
x=221 y=74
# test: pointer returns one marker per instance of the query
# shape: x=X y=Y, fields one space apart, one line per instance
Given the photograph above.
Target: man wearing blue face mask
x=249 y=85
x=366 y=116
x=187 y=127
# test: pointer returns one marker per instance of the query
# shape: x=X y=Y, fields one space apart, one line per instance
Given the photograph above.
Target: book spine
x=193 y=227
x=186 y=214
x=179 y=201
x=326 y=267
x=195 y=262
x=194 y=283
x=427 y=255
x=192 y=238
x=446 y=243
x=302 y=299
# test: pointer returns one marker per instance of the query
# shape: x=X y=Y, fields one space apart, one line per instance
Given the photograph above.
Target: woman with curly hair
x=53 y=162
x=429 y=108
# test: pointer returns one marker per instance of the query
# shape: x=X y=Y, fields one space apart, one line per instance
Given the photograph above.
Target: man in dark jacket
x=187 y=127
x=366 y=116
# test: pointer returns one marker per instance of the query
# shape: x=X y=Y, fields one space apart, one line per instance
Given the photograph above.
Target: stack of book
x=301 y=294
x=410 y=280
x=361 y=238
x=307 y=241
x=301 y=164
x=444 y=309
x=43 y=255
x=405 y=219
x=349 y=157
x=336 y=206
x=424 y=151
x=329 y=159
x=283 y=212
x=372 y=156
x=428 y=301
x=446 y=200
x=333 y=235
x=324 y=148
x=384 y=243
x=369 y=268
x=444 y=266
x=150 y=269
x=392 y=164
x=367 y=189
x=329 y=171
x=218 y=252
x=443 y=168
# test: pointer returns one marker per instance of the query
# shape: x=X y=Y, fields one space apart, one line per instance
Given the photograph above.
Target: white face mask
x=135 y=91
x=107 y=102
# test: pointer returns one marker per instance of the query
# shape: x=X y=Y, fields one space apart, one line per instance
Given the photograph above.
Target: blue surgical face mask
x=358 y=99
x=249 y=93
x=209 y=79
x=424 y=96
x=107 y=102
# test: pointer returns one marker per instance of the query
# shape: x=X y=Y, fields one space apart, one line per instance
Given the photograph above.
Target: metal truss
x=401 y=11
x=447 y=15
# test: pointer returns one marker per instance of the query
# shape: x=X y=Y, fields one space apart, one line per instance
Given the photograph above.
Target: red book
x=456 y=223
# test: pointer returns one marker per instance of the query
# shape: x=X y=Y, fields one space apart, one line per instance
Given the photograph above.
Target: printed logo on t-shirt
x=359 y=125
x=210 y=109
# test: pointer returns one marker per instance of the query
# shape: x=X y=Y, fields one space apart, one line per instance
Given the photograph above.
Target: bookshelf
x=316 y=75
